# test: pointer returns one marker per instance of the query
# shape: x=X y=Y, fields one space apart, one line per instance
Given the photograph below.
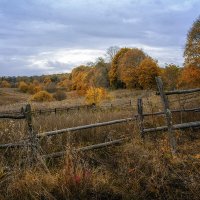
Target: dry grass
x=135 y=170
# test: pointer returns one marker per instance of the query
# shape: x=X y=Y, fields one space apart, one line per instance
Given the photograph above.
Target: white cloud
x=63 y=60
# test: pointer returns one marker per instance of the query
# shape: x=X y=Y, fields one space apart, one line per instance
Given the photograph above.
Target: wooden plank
x=168 y=115
x=180 y=91
x=51 y=133
x=174 y=127
x=87 y=148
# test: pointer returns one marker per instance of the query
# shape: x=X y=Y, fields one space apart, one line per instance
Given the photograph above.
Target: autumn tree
x=111 y=52
x=147 y=71
x=128 y=67
x=95 y=95
x=113 y=72
x=170 y=75
x=100 y=74
x=190 y=77
x=80 y=78
x=65 y=83
x=192 y=47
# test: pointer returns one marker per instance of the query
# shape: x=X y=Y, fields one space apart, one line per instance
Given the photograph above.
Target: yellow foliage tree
x=95 y=95
x=80 y=79
x=42 y=96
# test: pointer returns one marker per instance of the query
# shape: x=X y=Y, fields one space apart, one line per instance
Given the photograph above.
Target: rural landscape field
x=120 y=123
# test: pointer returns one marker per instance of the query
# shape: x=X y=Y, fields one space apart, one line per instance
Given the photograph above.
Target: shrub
x=51 y=87
x=5 y=84
x=60 y=95
x=42 y=96
x=23 y=86
x=34 y=88
x=95 y=95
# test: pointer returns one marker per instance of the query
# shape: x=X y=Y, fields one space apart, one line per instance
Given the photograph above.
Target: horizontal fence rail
x=175 y=126
x=51 y=133
x=14 y=145
x=22 y=143
x=7 y=116
x=87 y=148
x=180 y=91
x=173 y=111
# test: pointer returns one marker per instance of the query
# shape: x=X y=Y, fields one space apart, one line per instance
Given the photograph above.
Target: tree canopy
x=192 y=47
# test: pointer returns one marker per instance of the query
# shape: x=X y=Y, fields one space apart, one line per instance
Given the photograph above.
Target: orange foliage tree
x=65 y=83
x=190 y=77
x=128 y=67
x=147 y=71
x=170 y=75
x=113 y=73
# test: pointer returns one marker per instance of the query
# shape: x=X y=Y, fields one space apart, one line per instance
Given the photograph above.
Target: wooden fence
x=168 y=114
x=13 y=114
x=33 y=137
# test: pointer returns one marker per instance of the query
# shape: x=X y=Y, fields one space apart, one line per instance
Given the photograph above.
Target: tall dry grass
x=135 y=170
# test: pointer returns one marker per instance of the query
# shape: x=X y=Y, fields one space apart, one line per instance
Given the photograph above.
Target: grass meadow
x=136 y=169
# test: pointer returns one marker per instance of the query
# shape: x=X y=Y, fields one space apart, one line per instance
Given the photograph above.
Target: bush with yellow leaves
x=24 y=87
x=42 y=96
x=95 y=95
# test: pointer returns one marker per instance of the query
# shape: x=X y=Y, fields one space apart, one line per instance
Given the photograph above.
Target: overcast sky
x=53 y=36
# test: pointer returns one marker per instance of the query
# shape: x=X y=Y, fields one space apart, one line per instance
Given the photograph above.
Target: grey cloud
x=30 y=27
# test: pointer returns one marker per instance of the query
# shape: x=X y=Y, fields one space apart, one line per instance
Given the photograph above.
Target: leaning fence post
x=32 y=134
x=168 y=114
x=140 y=116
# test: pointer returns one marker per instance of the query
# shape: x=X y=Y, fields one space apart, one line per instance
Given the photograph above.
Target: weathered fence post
x=140 y=116
x=168 y=114
x=32 y=134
